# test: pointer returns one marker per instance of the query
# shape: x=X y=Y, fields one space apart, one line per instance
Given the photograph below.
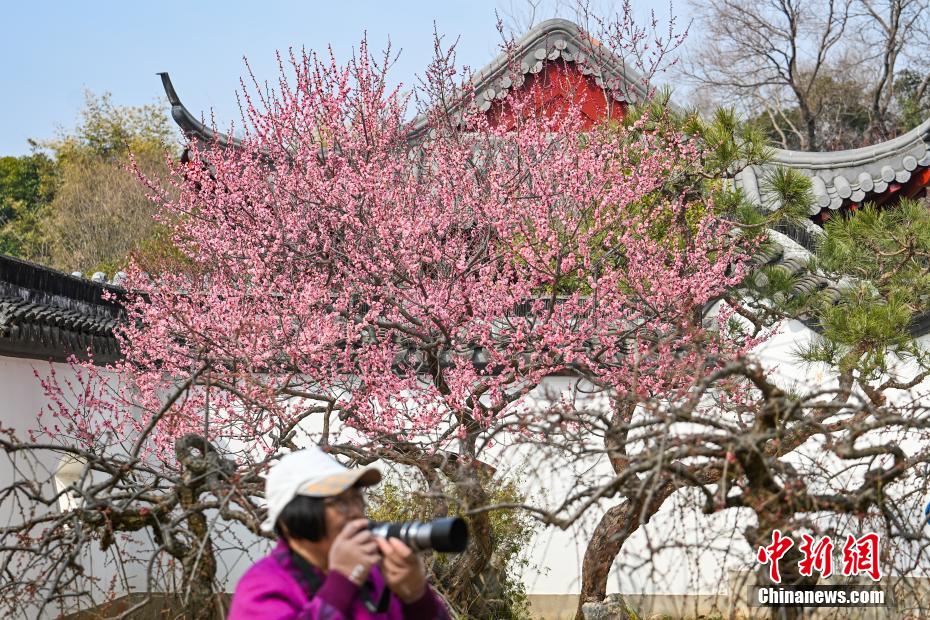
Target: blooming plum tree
x=394 y=295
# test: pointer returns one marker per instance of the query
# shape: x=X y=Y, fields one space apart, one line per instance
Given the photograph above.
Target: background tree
x=841 y=453
x=27 y=186
x=816 y=75
x=80 y=207
x=101 y=214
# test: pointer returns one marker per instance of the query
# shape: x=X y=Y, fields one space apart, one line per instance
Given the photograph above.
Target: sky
x=53 y=52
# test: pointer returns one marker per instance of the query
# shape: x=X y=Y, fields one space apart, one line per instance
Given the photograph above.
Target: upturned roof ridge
x=549 y=41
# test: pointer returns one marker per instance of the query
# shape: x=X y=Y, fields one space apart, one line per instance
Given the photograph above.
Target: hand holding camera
x=403 y=569
x=354 y=551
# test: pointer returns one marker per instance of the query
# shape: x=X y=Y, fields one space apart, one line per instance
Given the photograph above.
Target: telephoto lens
x=448 y=535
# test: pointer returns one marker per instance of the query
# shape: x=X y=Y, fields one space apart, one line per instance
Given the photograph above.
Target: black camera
x=448 y=535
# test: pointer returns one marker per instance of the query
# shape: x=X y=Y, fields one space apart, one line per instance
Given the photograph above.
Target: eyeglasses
x=346 y=501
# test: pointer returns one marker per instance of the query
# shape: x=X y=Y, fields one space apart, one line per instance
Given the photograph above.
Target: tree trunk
x=199 y=571
x=466 y=582
x=202 y=464
x=611 y=532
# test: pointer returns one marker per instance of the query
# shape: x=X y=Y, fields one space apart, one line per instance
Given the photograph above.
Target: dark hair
x=304 y=517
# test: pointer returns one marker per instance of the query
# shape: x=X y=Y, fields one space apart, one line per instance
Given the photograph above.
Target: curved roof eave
x=48 y=314
x=850 y=175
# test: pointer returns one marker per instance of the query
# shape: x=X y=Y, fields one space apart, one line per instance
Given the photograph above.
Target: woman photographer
x=326 y=563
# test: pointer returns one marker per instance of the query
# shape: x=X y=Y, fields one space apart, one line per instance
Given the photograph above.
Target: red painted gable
x=555 y=89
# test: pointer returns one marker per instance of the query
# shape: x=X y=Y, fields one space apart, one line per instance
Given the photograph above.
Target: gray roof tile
x=839 y=177
x=48 y=314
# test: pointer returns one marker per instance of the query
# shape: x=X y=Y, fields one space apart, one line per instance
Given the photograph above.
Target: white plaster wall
x=21 y=399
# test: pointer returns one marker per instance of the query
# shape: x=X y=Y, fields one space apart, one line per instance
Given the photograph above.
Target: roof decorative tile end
x=48 y=314
x=840 y=178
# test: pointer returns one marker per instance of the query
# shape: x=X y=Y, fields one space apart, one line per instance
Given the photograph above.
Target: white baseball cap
x=313 y=473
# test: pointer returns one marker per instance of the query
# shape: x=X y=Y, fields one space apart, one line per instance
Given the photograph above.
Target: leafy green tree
x=913 y=98
x=110 y=132
x=27 y=185
x=101 y=213
x=79 y=205
x=868 y=331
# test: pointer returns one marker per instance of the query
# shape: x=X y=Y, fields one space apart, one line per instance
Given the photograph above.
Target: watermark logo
x=817 y=557
x=859 y=555
x=772 y=553
x=819 y=596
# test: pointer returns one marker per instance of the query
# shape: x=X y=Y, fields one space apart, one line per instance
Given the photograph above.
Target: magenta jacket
x=275 y=589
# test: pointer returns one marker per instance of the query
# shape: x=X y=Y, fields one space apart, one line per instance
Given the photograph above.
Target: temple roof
x=550 y=41
x=843 y=177
x=48 y=314
x=839 y=178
